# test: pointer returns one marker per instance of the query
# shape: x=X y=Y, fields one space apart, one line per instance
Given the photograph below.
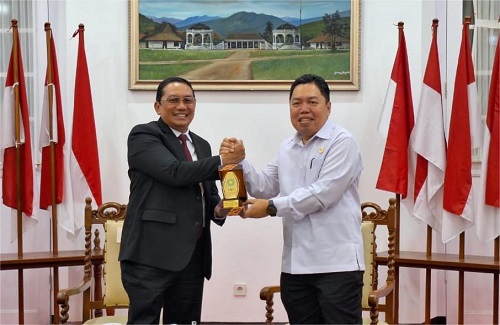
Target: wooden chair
x=373 y=216
x=108 y=217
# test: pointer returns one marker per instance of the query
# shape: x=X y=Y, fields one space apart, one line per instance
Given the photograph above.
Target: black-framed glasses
x=173 y=100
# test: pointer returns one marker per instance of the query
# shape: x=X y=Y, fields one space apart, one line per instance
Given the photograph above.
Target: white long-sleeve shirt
x=318 y=200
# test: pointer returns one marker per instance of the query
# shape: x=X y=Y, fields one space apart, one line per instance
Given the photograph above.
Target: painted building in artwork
x=325 y=42
x=286 y=37
x=245 y=41
x=168 y=38
x=199 y=37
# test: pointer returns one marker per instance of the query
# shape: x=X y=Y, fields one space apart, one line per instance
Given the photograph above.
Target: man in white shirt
x=312 y=184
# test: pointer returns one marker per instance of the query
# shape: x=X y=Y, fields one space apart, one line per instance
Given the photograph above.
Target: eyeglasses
x=188 y=101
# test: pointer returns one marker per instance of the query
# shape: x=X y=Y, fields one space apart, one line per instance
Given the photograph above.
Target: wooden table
x=440 y=261
x=449 y=262
x=36 y=260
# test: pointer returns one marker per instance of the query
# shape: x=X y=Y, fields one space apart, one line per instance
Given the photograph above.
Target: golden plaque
x=233 y=189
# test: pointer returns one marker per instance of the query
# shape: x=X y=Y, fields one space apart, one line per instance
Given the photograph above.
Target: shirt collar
x=323 y=133
x=177 y=133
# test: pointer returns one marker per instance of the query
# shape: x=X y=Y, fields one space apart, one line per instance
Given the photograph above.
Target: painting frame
x=352 y=83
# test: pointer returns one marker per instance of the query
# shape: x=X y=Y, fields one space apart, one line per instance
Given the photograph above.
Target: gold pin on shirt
x=321 y=150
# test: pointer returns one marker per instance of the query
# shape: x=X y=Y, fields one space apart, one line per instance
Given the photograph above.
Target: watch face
x=271 y=210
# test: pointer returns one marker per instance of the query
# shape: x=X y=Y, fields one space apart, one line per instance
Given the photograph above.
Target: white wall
x=245 y=251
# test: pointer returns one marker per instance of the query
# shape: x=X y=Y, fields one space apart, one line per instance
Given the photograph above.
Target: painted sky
x=182 y=9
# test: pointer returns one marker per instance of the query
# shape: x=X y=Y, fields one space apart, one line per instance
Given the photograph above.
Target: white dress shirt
x=318 y=200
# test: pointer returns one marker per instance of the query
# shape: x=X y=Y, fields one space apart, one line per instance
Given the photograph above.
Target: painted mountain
x=243 y=22
x=240 y=22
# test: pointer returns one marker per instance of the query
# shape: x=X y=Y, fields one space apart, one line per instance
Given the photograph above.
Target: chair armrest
x=84 y=285
x=268 y=292
x=374 y=297
x=63 y=298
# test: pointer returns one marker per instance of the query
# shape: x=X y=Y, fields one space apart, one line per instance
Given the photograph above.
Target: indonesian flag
x=52 y=122
x=84 y=156
x=488 y=204
x=8 y=144
x=429 y=142
x=463 y=138
x=397 y=123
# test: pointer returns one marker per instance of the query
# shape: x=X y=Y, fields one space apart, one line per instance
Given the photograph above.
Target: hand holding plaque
x=233 y=189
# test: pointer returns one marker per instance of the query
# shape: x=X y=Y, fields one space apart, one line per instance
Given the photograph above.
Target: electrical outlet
x=240 y=289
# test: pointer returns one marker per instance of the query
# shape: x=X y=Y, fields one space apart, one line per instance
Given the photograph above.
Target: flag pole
x=50 y=86
x=398 y=196
x=435 y=24
x=467 y=21
x=53 y=191
x=428 y=271
x=398 y=216
x=396 y=253
x=496 y=282
x=461 y=252
x=17 y=134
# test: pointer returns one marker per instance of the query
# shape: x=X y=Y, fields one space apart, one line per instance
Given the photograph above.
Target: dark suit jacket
x=165 y=210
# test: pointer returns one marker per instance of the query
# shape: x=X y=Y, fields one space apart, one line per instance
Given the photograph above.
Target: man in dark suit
x=166 y=249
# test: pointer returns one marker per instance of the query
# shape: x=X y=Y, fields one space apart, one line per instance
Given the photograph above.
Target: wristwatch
x=271 y=209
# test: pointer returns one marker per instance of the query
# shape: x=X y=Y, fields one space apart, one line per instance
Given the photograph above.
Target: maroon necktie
x=183 y=139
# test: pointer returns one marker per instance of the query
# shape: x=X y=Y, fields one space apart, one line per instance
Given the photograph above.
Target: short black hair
x=159 y=90
x=312 y=78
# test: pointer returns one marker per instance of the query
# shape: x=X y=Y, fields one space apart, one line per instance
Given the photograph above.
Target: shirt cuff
x=280 y=203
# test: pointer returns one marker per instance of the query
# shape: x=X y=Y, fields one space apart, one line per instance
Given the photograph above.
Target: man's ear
x=157 y=108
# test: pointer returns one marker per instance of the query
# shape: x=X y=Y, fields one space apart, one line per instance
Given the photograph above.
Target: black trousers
x=323 y=298
x=179 y=293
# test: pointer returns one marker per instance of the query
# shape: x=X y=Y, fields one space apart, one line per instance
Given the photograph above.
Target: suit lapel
x=199 y=147
x=171 y=141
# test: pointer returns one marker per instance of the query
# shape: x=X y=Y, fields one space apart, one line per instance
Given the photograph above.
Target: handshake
x=232 y=151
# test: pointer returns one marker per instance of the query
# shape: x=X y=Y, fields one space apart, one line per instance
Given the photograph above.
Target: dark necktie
x=183 y=139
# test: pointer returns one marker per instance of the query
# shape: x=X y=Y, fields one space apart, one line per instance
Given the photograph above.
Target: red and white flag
x=52 y=130
x=429 y=142
x=84 y=157
x=15 y=86
x=488 y=204
x=463 y=138
x=396 y=122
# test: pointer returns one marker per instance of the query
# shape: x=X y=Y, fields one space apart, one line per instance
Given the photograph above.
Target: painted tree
x=334 y=27
x=268 y=32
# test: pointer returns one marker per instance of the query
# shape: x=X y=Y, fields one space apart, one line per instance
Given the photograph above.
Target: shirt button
x=197 y=224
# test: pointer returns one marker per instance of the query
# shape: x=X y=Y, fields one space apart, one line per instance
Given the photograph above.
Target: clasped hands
x=232 y=151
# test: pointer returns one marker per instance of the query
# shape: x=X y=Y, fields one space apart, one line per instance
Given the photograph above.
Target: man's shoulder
x=337 y=130
x=152 y=126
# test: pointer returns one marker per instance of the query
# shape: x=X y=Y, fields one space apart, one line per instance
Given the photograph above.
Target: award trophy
x=233 y=189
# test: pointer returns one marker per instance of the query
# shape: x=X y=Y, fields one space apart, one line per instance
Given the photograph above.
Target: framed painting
x=244 y=44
